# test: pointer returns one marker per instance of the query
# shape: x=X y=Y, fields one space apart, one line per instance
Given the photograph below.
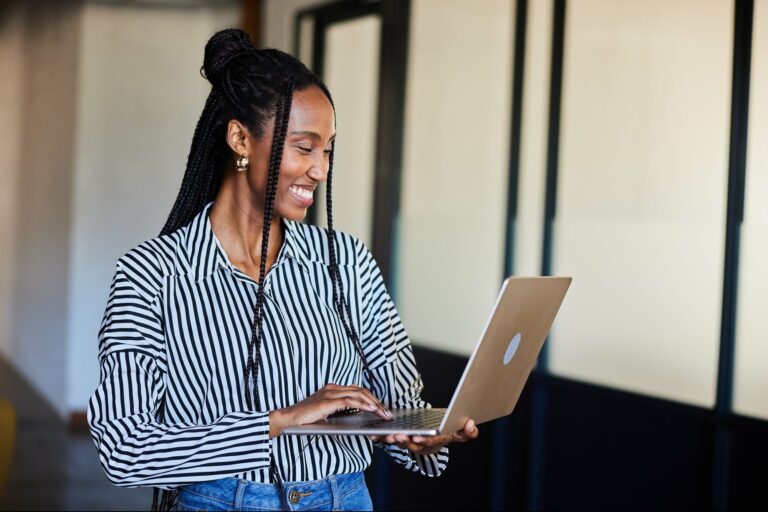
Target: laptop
x=493 y=378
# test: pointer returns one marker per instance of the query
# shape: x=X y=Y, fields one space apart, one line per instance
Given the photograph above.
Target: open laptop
x=495 y=374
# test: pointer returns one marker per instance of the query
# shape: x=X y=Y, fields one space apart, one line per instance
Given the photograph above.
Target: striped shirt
x=169 y=409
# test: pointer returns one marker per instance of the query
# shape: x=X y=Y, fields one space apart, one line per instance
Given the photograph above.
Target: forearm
x=137 y=451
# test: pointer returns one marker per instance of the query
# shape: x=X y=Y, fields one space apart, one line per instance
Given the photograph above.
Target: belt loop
x=335 y=492
x=242 y=485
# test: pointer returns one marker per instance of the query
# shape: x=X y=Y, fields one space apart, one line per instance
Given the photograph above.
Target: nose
x=318 y=172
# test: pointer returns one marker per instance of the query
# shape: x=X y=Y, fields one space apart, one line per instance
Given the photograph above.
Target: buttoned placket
x=282 y=259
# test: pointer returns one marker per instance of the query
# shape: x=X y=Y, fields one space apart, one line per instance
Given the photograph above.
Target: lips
x=302 y=195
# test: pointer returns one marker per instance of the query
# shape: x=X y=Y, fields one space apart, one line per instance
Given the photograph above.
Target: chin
x=296 y=214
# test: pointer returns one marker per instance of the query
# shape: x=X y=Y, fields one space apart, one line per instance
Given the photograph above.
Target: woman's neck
x=238 y=224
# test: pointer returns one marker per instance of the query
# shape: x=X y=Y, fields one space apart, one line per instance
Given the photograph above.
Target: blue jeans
x=336 y=492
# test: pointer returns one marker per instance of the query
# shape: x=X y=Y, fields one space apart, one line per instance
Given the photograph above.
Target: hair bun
x=224 y=46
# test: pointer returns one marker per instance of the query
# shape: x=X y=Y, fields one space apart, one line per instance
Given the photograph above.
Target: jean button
x=293 y=496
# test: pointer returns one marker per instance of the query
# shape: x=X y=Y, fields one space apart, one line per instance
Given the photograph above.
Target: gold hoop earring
x=242 y=164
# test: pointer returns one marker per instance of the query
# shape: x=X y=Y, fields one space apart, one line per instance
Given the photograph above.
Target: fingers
x=332 y=398
x=398 y=440
x=430 y=444
x=372 y=404
x=470 y=430
x=356 y=402
x=352 y=394
x=427 y=446
x=356 y=389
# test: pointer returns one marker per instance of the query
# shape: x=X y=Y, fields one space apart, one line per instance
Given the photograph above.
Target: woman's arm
x=396 y=379
x=399 y=386
x=136 y=449
x=135 y=446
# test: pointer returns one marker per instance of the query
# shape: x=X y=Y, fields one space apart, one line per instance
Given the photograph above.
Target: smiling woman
x=215 y=339
x=304 y=163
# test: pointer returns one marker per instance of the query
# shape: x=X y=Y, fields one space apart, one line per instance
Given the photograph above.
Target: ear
x=237 y=137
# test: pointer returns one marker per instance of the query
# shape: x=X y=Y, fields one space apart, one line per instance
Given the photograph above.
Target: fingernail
x=417 y=439
x=388 y=413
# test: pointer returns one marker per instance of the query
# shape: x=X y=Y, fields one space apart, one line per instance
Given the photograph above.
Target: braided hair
x=253 y=86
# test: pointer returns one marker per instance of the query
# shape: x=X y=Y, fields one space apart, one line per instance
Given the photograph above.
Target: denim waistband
x=240 y=494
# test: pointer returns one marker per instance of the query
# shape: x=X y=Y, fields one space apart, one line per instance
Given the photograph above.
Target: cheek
x=291 y=170
x=292 y=166
x=284 y=204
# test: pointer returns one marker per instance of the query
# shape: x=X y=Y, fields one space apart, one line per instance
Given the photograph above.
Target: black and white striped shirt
x=170 y=409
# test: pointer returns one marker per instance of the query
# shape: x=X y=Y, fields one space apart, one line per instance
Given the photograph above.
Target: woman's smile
x=302 y=195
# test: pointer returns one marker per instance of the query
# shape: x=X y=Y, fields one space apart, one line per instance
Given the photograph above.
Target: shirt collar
x=206 y=254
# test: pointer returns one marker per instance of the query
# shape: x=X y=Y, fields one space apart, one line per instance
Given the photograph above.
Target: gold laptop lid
x=501 y=363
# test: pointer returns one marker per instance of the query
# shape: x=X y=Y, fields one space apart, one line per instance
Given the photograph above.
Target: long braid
x=254 y=346
x=339 y=300
x=278 y=141
x=201 y=165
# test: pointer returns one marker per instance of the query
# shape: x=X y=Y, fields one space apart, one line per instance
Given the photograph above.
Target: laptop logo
x=512 y=348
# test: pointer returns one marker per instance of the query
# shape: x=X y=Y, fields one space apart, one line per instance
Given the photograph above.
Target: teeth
x=306 y=194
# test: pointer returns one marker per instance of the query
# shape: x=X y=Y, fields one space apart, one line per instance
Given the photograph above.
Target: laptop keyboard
x=414 y=419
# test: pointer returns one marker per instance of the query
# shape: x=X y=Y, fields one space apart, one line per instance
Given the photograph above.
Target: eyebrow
x=313 y=135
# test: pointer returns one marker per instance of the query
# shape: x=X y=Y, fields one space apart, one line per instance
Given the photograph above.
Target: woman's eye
x=305 y=149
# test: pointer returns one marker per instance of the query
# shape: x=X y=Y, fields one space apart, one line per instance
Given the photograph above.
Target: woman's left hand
x=427 y=445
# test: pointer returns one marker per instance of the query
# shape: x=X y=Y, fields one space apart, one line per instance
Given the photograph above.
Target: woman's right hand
x=327 y=400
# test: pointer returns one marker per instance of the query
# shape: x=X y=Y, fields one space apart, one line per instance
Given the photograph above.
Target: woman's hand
x=427 y=445
x=324 y=402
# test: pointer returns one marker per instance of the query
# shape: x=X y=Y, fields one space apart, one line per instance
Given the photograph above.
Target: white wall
x=751 y=375
x=641 y=194
x=40 y=172
x=99 y=106
x=278 y=19
x=455 y=165
x=139 y=101
x=533 y=141
x=352 y=49
x=11 y=97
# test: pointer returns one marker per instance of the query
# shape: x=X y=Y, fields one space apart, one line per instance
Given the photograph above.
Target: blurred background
x=622 y=142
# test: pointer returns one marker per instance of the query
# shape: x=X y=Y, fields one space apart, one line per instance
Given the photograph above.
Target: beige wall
x=454 y=183
x=41 y=180
x=533 y=141
x=751 y=375
x=277 y=22
x=641 y=194
x=138 y=103
x=352 y=49
x=90 y=169
x=641 y=197
x=11 y=97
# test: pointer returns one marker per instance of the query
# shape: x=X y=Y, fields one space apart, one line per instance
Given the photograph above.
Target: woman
x=201 y=366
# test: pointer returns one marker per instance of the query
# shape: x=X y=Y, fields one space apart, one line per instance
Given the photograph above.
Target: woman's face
x=306 y=152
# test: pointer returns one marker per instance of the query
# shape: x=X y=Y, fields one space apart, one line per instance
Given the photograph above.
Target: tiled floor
x=52 y=468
